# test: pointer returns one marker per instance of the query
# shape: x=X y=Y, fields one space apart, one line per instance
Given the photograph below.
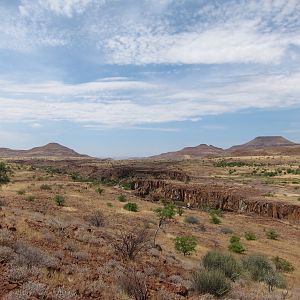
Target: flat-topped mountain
x=49 y=150
x=190 y=152
x=262 y=142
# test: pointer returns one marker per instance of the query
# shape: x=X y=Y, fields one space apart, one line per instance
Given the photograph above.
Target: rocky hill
x=49 y=150
x=191 y=152
x=262 y=145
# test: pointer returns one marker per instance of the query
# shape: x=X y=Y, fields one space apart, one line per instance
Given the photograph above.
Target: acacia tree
x=164 y=213
x=5 y=173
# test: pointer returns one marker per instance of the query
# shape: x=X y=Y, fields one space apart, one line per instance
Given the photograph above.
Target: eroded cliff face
x=227 y=198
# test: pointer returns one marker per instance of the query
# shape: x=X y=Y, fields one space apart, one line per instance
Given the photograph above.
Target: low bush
x=21 y=192
x=250 y=236
x=133 y=283
x=96 y=219
x=257 y=266
x=60 y=200
x=45 y=187
x=185 y=244
x=29 y=198
x=215 y=260
x=129 y=244
x=99 y=190
x=272 y=234
x=191 y=220
x=212 y=282
x=235 y=245
x=282 y=264
x=130 y=206
x=122 y=198
x=215 y=220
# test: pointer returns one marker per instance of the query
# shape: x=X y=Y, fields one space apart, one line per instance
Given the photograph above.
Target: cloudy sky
x=118 y=78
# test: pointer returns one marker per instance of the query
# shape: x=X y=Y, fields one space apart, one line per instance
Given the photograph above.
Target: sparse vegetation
x=5 y=173
x=45 y=187
x=29 y=198
x=250 y=236
x=185 y=244
x=282 y=264
x=215 y=260
x=59 y=200
x=191 y=220
x=133 y=283
x=96 y=219
x=235 y=245
x=129 y=244
x=164 y=213
x=210 y=282
x=21 y=192
x=130 y=206
x=272 y=234
x=99 y=191
x=122 y=198
x=214 y=219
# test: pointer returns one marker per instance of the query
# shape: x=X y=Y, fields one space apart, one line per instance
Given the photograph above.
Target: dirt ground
x=81 y=262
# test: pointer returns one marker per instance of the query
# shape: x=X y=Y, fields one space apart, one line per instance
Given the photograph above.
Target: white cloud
x=142 y=106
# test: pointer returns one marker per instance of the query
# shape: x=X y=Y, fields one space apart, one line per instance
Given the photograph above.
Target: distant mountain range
x=49 y=150
x=262 y=145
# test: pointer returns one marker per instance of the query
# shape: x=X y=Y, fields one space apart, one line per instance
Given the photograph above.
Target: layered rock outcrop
x=230 y=199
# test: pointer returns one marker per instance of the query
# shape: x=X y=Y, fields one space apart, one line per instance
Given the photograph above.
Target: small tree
x=5 y=173
x=185 y=244
x=164 y=213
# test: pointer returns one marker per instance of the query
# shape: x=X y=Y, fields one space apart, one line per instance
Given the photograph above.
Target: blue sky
x=116 y=78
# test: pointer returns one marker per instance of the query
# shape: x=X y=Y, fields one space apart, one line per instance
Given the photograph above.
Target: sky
x=129 y=78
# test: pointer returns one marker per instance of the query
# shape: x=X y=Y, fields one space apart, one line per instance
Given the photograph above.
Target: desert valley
x=199 y=223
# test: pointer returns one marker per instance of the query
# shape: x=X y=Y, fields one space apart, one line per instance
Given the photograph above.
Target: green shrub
x=215 y=220
x=122 y=198
x=282 y=264
x=235 y=239
x=185 y=244
x=215 y=260
x=235 y=245
x=218 y=212
x=191 y=220
x=45 y=187
x=272 y=234
x=99 y=190
x=212 y=282
x=30 y=198
x=21 y=192
x=250 y=236
x=131 y=206
x=60 y=200
x=257 y=266
x=5 y=173
x=298 y=199
x=109 y=204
